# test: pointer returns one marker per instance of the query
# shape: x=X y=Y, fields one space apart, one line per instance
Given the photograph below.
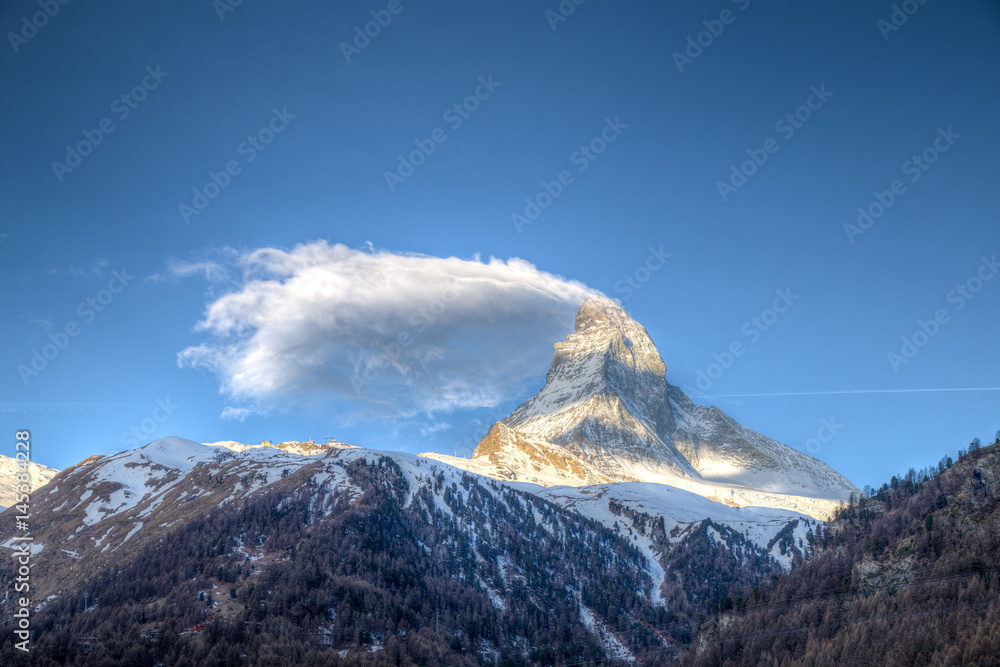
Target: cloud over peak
x=377 y=334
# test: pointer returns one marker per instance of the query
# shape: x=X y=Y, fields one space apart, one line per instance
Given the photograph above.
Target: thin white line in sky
x=854 y=391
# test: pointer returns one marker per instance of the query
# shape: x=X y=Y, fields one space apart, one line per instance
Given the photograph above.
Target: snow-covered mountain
x=106 y=500
x=123 y=492
x=507 y=454
x=514 y=544
x=607 y=405
x=38 y=476
x=609 y=464
x=106 y=507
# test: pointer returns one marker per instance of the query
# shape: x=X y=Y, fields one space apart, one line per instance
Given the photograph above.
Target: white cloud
x=379 y=334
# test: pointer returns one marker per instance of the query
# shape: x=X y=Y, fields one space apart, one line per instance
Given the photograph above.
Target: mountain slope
x=507 y=454
x=185 y=553
x=607 y=403
x=303 y=559
x=38 y=476
x=907 y=577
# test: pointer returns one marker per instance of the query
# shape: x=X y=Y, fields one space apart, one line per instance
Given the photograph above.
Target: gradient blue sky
x=322 y=179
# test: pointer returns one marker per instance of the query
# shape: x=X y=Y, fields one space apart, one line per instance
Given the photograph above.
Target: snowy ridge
x=308 y=448
x=681 y=512
x=38 y=476
x=106 y=500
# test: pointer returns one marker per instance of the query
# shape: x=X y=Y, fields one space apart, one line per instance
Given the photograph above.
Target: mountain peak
x=600 y=311
x=607 y=402
x=609 y=352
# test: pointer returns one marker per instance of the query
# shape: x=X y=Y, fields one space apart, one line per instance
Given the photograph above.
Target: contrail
x=853 y=391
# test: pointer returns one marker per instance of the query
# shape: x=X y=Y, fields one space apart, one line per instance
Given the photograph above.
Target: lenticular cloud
x=382 y=334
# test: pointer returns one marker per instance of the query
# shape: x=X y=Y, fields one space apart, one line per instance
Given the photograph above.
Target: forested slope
x=909 y=576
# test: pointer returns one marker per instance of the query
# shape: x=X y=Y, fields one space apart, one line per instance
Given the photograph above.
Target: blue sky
x=200 y=80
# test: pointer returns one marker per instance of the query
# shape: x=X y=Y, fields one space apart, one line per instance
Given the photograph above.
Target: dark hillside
x=468 y=573
x=908 y=576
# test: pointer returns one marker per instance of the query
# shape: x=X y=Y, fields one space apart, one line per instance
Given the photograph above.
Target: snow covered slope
x=681 y=511
x=506 y=454
x=606 y=402
x=38 y=475
x=108 y=508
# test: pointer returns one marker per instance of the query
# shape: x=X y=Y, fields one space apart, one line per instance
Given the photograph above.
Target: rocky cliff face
x=512 y=455
x=605 y=397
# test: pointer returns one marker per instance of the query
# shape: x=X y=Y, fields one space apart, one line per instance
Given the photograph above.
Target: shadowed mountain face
x=606 y=400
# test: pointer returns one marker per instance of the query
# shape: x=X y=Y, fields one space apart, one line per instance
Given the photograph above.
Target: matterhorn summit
x=610 y=413
x=606 y=398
